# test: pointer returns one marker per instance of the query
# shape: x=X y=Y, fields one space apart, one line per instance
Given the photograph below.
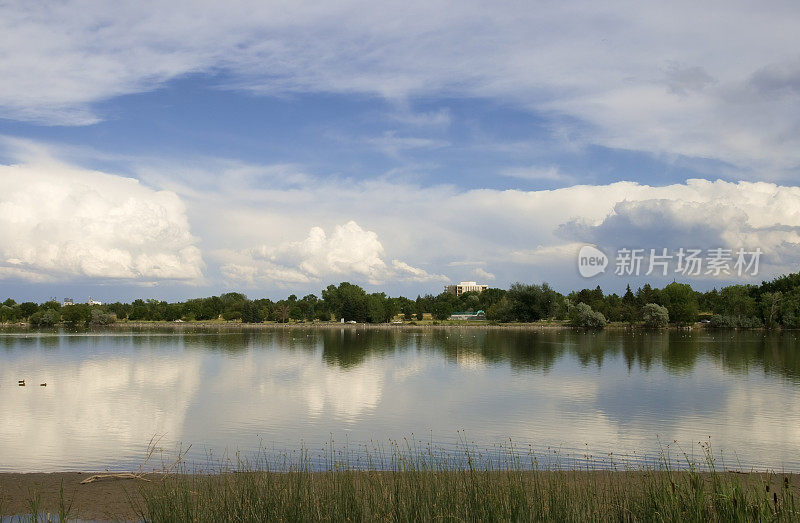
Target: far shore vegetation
x=771 y=305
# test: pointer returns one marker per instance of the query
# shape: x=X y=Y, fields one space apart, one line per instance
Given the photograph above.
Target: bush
x=718 y=321
x=100 y=318
x=751 y=322
x=43 y=319
x=655 y=316
x=789 y=320
x=584 y=317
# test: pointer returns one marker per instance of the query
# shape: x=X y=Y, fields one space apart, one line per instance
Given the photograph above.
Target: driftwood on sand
x=122 y=475
x=139 y=474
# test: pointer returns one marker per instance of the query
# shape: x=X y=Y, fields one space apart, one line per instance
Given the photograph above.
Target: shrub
x=751 y=322
x=584 y=317
x=718 y=321
x=655 y=316
x=100 y=318
x=43 y=319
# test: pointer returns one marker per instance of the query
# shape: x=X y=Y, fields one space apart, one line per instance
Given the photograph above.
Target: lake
x=611 y=397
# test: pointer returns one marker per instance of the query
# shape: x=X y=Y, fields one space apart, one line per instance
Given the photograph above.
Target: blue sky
x=188 y=149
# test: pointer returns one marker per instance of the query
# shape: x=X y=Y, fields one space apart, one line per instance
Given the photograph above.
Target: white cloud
x=406 y=272
x=350 y=251
x=482 y=275
x=61 y=222
x=664 y=78
x=266 y=226
x=443 y=228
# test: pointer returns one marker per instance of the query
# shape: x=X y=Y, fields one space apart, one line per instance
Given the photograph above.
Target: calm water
x=109 y=393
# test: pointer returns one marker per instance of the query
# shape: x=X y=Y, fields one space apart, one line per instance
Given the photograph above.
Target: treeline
x=771 y=304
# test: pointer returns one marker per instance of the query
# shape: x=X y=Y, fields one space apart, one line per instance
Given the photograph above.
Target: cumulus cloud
x=482 y=275
x=349 y=251
x=265 y=229
x=60 y=222
x=530 y=235
x=717 y=215
x=664 y=78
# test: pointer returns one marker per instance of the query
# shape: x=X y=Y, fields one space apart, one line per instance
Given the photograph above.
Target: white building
x=92 y=302
x=465 y=286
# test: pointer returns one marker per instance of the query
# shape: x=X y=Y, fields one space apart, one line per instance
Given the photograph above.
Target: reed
x=409 y=483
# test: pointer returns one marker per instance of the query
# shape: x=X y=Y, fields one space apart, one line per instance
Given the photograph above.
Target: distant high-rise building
x=465 y=286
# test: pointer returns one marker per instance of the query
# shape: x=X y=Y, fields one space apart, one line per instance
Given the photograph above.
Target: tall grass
x=412 y=484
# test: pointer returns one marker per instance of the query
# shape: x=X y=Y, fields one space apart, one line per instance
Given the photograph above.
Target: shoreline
x=122 y=499
x=411 y=326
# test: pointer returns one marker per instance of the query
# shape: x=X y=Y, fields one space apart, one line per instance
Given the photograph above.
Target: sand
x=102 y=500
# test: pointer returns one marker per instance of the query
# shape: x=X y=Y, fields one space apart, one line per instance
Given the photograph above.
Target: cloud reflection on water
x=108 y=395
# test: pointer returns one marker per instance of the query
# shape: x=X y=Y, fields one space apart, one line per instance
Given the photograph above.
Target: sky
x=183 y=149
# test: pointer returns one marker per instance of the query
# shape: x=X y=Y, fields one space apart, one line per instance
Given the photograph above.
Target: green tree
x=210 y=308
x=27 y=308
x=771 y=307
x=43 y=318
x=282 y=311
x=379 y=308
x=737 y=301
x=710 y=301
x=50 y=305
x=646 y=294
x=8 y=314
x=251 y=312
x=156 y=310
x=76 y=315
x=655 y=316
x=346 y=301
x=584 y=317
x=231 y=304
x=173 y=311
x=681 y=302
x=444 y=305
x=533 y=302
x=628 y=298
x=308 y=306
x=489 y=297
x=139 y=311
x=469 y=301
x=501 y=311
